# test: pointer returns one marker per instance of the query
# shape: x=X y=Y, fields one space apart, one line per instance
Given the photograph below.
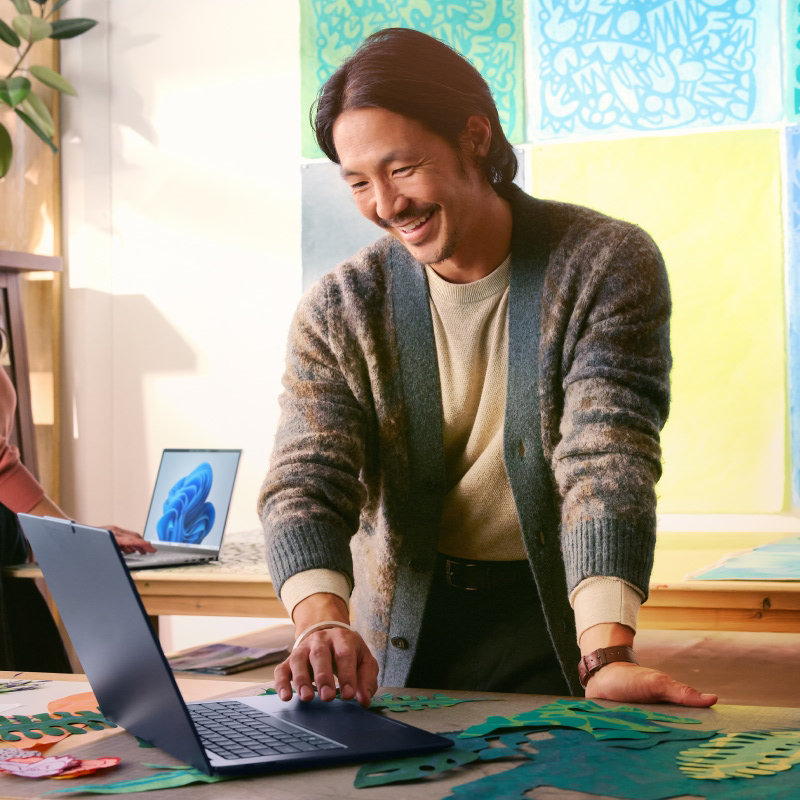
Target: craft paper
x=168 y=777
x=88 y=767
x=779 y=561
x=652 y=65
x=742 y=755
x=418 y=703
x=489 y=33
x=19 y=685
x=712 y=202
x=31 y=729
x=410 y=769
x=39 y=766
x=574 y=761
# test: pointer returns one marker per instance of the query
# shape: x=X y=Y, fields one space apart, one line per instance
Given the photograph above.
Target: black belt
x=481 y=576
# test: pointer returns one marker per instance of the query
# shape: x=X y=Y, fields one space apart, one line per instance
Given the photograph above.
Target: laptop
x=188 y=508
x=135 y=687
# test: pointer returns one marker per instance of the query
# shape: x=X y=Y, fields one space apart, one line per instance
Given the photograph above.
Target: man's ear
x=477 y=136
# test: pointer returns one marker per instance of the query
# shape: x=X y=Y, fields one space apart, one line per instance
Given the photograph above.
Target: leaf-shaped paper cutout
x=399 y=770
x=742 y=755
x=624 y=722
x=406 y=702
x=39 y=766
x=19 y=727
x=88 y=766
x=166 y=778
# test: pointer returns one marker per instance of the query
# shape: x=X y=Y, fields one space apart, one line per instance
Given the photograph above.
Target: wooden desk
x=678 y=604
x=239 y=585
x=337 y=783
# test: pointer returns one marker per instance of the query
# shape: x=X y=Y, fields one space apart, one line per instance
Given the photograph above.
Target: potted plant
x=33 y=23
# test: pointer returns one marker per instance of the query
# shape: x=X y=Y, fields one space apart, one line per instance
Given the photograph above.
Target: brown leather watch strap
x=597 y=659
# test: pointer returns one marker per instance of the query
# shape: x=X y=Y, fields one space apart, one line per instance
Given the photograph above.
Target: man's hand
x=326 y=654
x=632 y=683
x=130 y=542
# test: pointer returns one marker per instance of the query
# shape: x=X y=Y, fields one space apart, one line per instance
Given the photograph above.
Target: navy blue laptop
x=135 y=688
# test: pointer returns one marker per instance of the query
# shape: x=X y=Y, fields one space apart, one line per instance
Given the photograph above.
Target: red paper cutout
x=88 y=767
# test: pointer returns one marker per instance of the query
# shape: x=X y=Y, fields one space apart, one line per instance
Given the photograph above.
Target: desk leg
x=154 y=622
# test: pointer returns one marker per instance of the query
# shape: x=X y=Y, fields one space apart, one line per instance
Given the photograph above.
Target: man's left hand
x=632 y=683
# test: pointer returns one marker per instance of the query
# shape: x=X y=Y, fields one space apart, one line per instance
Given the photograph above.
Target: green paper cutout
x=419 y=703
x=168 y=778
x=402 y=770
x=742 y=755
x=56 y=724
x=622 y=722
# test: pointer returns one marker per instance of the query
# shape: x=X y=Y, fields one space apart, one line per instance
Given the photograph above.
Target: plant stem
x=25 y=51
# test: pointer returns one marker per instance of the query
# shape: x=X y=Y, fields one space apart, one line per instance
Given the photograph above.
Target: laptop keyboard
x=235 y=730
x=162 y=558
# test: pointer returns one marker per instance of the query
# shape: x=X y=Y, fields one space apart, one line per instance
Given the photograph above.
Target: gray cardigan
x=356 y=479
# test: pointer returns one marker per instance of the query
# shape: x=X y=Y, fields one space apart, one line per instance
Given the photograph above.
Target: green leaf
x=46 y=139
x=35 y=108
x=30 y=28
x=58 y=5
x=23 y=6
x=52 y=79
x=8 y=35
x=6 y=151
x=14 y=90
x=40 y=2
x=69 y=28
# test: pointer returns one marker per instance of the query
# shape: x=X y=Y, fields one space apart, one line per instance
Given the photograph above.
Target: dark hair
x=413 y=74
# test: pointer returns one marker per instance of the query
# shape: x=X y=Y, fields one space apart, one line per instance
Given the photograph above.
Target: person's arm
x=311 y=500
x=128 y=541
x=608 y=459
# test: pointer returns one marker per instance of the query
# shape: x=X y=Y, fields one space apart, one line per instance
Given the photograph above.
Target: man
x=469 y=438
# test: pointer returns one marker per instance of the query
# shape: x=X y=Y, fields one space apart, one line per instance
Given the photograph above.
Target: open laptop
x=135 y=688
x=188 y=508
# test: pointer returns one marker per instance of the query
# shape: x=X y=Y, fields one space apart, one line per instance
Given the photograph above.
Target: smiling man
x=469 y=440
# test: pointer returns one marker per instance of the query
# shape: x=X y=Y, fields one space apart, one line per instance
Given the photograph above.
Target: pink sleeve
x=19 y=490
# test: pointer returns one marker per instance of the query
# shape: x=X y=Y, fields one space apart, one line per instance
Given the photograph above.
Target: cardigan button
x=400 y=643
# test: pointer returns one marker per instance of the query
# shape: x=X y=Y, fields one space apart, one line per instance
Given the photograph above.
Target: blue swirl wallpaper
x=188 y=517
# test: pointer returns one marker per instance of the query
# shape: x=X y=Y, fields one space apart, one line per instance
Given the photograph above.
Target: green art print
x=487 y=32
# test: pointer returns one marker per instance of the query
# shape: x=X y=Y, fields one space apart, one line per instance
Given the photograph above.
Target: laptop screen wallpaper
x=191 y=497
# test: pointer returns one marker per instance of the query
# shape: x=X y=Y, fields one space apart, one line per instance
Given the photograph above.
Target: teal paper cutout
x=742 y=755
x=168 y=778
x=401 y=770
x=575 y=761
x=56 y=724
x=406 y=702
x=621 y=722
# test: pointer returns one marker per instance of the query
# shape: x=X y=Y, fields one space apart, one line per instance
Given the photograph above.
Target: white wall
x=181 y=186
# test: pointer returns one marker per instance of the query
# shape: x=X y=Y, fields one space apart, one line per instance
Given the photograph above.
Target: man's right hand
x=325 y=654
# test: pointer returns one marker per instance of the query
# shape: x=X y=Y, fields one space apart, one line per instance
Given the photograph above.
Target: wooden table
x=239 y=585
x=337 y=783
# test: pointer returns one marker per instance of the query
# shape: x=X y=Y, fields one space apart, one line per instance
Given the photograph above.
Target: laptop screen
x=191 y=499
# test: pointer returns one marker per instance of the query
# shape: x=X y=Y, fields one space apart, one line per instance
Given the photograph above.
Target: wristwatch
x=597 y=659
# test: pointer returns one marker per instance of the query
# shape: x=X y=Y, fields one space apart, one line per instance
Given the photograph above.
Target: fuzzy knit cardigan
x=357 y=475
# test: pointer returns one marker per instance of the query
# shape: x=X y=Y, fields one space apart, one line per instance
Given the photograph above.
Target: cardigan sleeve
x=311 y=498
x=615 y=401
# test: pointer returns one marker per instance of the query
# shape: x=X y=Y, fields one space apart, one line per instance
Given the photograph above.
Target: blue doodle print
x=644 y=64
x=188 y=517
x=487 y=32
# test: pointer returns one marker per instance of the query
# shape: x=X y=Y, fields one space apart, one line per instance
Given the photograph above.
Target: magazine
x=225 y=659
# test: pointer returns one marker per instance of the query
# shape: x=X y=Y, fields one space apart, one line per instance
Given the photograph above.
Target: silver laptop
x=188 y=509
x=135 y=687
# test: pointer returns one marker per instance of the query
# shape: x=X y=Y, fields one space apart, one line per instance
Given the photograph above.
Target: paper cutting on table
x=742 y=755
x=39 y=766
x=167 y=777
x=20 y=727
x=408 y=703
x=17 y=685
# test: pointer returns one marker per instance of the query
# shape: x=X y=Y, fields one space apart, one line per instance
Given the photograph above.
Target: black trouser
x=484 y=630
x=29 y=639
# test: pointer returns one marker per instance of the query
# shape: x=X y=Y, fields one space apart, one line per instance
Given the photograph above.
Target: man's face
x=414 y=184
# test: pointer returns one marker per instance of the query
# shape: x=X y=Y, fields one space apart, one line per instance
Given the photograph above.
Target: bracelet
x=597 y=659
x=328 y=623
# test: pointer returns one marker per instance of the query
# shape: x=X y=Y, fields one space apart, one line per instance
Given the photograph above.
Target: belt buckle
x=454 y=571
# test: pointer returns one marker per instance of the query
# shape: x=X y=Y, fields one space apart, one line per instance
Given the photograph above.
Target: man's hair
x=413 y=74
